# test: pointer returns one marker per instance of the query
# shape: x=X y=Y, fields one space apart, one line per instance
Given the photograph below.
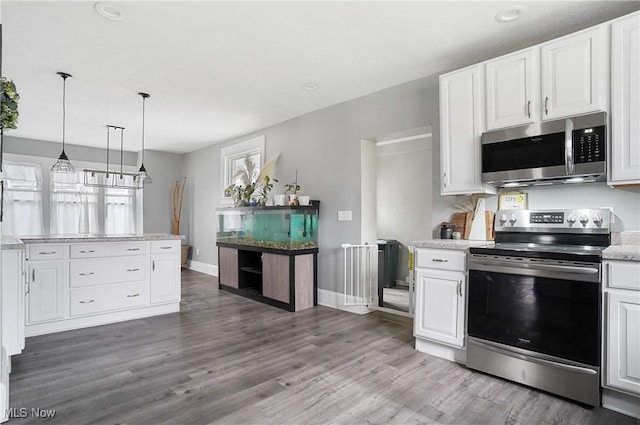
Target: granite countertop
x=456 y=244
x=624 y=246
x=14 y=243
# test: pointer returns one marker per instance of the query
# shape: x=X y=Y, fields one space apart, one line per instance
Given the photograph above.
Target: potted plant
x=248 y=181
x=293 y=188
x=9 y=98
x=264 y=188
x=176 y=203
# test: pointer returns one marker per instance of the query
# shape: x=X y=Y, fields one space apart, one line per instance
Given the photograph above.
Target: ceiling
x=219 y=70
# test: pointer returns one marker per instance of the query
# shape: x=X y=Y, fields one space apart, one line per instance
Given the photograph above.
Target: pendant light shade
x=63 y=165
x=143 y=175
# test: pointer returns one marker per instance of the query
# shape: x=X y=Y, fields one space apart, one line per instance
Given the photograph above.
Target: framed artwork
x=512 y=201
x=232 y=157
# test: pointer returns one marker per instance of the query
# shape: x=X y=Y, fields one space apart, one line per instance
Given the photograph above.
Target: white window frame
x=229 y=157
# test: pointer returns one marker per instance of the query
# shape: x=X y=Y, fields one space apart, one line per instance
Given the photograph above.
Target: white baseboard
x=336 y=300
x=205 y=268
x=621 y=403
x=458 y=355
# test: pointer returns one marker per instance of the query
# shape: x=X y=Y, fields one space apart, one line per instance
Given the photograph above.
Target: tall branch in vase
x=176 y=202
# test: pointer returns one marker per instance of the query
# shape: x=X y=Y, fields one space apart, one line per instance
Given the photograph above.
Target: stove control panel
x=569 y=221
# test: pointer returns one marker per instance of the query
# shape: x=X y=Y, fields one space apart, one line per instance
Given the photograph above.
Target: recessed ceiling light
x=110 y=11
x=310 y=86
x=510 y=14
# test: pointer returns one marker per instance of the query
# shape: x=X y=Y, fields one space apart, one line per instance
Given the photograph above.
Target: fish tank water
x=287 y=228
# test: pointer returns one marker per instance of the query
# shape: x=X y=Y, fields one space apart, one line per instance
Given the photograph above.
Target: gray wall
x=324 y=146
x=164 y=169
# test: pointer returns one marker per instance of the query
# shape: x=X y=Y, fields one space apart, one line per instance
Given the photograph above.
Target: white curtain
x=22 y=199
x=119 y=211
x=74 y=206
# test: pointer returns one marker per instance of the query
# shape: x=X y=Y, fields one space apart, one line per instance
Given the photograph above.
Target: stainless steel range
x=535 y=301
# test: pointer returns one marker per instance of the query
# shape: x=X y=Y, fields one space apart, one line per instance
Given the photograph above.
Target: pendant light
x=108 y=178
x=63 y=165
x=143 y=176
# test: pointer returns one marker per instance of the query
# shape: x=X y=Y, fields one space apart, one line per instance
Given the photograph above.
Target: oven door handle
x=543 y=362
x=513 y=267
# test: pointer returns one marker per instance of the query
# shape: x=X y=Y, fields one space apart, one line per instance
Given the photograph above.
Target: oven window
x=556 y=317
x=536 y=152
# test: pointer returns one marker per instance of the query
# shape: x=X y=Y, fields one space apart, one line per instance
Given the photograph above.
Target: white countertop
x=15 y=243
x=456 y=244
x=625 y=246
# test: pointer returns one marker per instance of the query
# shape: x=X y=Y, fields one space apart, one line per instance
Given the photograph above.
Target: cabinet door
x=275 y=277
x=625 y=101
x=512 y=89
x=165 y=279
x=574 y=74
x=623 y=341
x=460 y=131
x=46 y=292
x=13 y=301
x=228 y=266
x=440 y=308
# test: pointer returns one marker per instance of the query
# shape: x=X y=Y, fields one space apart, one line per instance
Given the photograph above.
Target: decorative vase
x=304 y=200
x=293 y=200
x=279 y=200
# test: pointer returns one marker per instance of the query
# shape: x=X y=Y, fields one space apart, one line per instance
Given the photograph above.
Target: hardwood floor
x=226 y=359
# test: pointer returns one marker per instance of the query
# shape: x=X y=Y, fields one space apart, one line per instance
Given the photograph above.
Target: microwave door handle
x=568 y=147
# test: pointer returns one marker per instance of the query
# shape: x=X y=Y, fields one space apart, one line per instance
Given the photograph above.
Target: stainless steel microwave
x=560 y=151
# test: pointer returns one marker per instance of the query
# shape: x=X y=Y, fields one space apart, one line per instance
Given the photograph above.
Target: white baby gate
x=360 y=274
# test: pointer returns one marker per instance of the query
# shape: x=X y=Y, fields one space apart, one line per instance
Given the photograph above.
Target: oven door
x=545 y=306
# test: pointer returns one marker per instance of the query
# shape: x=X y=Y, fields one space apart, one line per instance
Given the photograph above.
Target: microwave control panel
x=589 y=145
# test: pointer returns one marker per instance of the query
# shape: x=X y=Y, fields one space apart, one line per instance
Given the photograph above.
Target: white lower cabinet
x=621 y=377
x=96 y=283
x=165 y=279
x=440 y=312
x=440 y=315
x=13 y=300
x=45 y=296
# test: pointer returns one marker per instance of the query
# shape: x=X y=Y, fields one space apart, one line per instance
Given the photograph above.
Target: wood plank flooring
x=229 y=360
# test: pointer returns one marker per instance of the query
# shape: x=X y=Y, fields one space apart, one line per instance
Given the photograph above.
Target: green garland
x=9 y=104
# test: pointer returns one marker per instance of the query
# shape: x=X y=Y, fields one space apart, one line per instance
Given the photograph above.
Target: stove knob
x=597 y=219
x=503 y=218
x=513 y=219
x=584 y=219
x=571 y=219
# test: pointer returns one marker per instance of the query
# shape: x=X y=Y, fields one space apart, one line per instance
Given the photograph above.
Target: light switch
x=344 y=215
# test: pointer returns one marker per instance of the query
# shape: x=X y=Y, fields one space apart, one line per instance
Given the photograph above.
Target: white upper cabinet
x=512 y=89
x=625 y=101
x=461 y=119
x=575 y=74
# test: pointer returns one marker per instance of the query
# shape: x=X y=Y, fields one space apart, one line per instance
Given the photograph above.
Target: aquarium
x=288 y=228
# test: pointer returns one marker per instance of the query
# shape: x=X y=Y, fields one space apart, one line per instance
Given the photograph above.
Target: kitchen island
x=76 y=281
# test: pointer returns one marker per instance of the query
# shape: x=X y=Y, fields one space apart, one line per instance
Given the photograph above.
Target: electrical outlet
x=197 y=251
x=344 y=215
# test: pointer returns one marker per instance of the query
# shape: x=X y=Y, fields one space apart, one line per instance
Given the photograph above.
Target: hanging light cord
x=121 y=149
x=64 y=109
x=144 y=98
x=108 y=131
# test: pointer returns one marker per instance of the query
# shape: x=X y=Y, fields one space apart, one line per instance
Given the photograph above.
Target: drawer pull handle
x=47 y=252
x=33 y=275
x=86 y=274
x=133 y=296
x=133 y=270
x=165 y=247
x=438 y=260
x=87 y=302
x=88 y=251
x=133 y=249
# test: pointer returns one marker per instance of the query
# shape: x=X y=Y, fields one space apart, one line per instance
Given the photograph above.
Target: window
x=22 y=199
x=74 y=206
x=119 y=211
x=232 y=158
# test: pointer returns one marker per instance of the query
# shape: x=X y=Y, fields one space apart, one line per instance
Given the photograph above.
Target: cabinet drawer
x=107 y=249
x=107 y=270
x=442 y=259
x=98 y=299
x=623 y=275
x=165 y=247
x=45 y=252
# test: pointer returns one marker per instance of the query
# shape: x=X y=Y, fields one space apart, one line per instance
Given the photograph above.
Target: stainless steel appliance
x=561 y=151
x=534 y=301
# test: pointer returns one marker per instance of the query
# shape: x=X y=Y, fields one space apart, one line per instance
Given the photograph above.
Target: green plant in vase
x=249 y=181
x=9 y=98
x=264 y=188
x=293 y=188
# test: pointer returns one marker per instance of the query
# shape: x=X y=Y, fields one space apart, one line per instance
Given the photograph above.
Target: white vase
x=293 y=200
x=304 y=199
x=279 y=200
